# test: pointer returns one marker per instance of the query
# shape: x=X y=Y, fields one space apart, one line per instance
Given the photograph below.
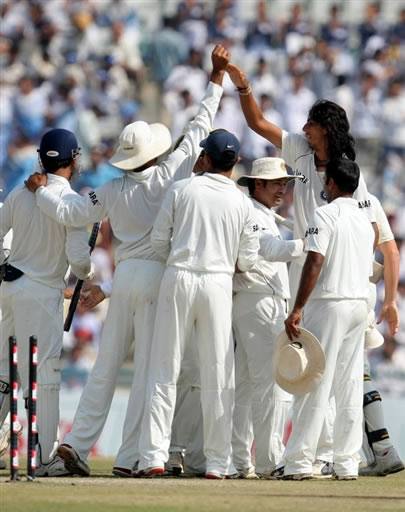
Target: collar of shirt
x=349 y=200
x=141 y=175
x=260 y=206
x=219 y=177
x=54 y=178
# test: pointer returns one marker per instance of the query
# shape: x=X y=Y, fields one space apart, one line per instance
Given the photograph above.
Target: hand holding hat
x=291 y=324
x=298 y=365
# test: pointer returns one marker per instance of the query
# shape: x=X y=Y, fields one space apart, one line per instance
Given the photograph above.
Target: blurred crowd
x=93 y=66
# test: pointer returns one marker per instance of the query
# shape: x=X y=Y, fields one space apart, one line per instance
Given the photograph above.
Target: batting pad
x=49 y=378
x=374 y=419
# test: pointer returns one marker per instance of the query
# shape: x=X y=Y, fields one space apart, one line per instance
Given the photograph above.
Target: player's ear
x=207 y=161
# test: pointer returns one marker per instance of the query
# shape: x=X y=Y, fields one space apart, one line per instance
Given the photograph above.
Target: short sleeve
x=318 y=232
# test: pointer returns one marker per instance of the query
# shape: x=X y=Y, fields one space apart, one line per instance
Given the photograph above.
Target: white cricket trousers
x=257 y=321
x=30 y=308
x=131 y=315
x=204 y=301
x=187 y=426
x=325 y=445
x=339 y=326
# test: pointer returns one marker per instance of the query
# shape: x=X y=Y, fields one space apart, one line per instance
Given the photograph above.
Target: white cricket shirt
x=206 y=224
x=344 y=236
x=270 y=274
x=41 y=247
x=308 y=191
x=133 y=201
x=6 y=241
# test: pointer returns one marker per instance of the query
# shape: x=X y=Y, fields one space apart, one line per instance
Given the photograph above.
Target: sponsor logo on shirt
x=303 y=179
x=311 y=231
x=93 y=198
x=365 y=204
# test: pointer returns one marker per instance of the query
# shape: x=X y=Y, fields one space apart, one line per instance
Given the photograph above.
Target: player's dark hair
x=333 y=117
x=52 y=166
x=345 y=173
x=224 y=165
x=251 y=184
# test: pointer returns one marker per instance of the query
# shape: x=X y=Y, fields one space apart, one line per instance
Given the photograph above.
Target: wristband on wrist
x=244 y=91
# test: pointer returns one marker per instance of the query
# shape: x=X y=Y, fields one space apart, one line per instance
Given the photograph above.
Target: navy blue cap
x=222 y=146
x=57 y=144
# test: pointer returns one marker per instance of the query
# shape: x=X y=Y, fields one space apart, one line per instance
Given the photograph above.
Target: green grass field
x=103 y=493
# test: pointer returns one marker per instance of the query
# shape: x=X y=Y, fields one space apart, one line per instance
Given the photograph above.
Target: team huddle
x=229 y=341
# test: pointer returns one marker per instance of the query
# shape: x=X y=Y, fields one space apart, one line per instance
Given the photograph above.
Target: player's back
x=38 y=246
x=348 y=259
x=210 y=215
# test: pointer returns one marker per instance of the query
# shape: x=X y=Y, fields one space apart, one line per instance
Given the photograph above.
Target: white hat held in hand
x=268 y=168
x=372 y=336
x=298 y=365
x=139 y=143
x=378 y=272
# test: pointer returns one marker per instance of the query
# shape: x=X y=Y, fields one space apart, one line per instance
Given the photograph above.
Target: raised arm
x=253 y=114
x=71 y=210
x=220 y=59
x=181 y=161
x=163 y=226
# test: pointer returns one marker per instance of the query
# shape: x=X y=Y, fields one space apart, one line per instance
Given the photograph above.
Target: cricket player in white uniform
x=31 y=294
x=131 y=203
x=334 y=290
x=259 y=310
x=381 y=455
x=5 y=428
x=204 y=228
x=326 y=136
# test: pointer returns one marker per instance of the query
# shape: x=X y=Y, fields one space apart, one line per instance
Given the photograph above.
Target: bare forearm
x=257 y=122
x=251 y=110
x=376 y=235
x=217 y=76
x=391 y=269
x=309 y=277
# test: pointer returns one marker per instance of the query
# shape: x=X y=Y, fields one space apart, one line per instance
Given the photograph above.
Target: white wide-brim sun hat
x=139 y=143
x=268 y=168
x=298 y=365
x=372 y=336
